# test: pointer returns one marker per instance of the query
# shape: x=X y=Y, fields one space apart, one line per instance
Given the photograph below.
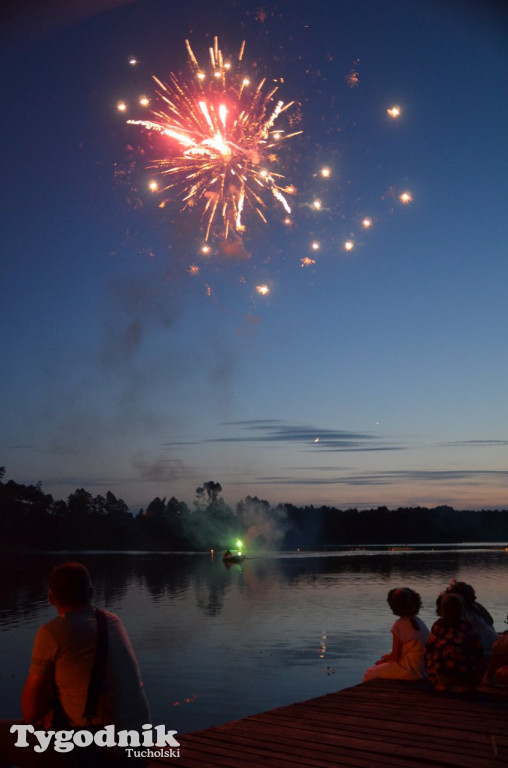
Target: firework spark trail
x=221 y=130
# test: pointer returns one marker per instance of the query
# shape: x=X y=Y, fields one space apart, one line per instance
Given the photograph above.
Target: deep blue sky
x=121 y=372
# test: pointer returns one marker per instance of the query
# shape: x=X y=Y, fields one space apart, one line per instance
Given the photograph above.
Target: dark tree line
x=32 y=519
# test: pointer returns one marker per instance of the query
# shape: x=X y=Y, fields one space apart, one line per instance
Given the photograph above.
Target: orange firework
x=220 y=142
x=353 y=76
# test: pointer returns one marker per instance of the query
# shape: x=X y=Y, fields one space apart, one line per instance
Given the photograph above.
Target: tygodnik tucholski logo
x=136 y=744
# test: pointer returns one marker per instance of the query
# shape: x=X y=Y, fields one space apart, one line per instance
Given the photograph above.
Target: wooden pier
x=381 y=724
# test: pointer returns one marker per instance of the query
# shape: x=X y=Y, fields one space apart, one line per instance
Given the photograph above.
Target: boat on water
x=235 y=555
x=239 y=558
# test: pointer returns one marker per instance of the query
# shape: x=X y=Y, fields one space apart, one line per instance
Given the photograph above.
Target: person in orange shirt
x=57 y=691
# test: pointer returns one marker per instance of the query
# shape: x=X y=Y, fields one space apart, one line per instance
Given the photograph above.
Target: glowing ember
x=394 y=111
x=220 y=136
x=406 y=197
x=317 y=205
x=353 y=76
x=262 y=289
x=206 y=249
x=153 y=186
x=307 y=261
x=121 y=106
x=144 y=101
x=349 y=245
x=193 y=269
x=315 y=245
x=325 y=173
x=366 y=223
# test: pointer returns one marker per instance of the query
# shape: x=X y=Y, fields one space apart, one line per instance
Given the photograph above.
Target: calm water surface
x=216 y=643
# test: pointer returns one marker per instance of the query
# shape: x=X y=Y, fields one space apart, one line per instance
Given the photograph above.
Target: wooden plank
x=403 y=691
x=279 y=753
x=369 y=744
x=324 y=752
x=407 y=693
x=448 y=738
x=247 y=751
x=419 y=724
x=452 y=737
x=410 y=710
x=333 y=744
x=383 y=724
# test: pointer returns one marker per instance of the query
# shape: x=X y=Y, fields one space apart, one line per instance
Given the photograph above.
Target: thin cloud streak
x=315 y=438
x=393 y=477
x=476 y=443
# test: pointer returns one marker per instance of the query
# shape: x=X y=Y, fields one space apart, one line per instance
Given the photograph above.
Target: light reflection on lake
x=216 y=643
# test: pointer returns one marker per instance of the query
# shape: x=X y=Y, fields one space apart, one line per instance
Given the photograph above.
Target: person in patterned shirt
x=453 y=653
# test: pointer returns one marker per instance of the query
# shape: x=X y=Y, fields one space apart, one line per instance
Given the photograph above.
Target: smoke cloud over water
x=265 y=525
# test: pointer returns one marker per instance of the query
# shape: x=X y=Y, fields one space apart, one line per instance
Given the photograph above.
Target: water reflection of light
x=323 y=648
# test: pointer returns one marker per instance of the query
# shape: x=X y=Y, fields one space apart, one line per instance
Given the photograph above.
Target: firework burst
x=222 y=145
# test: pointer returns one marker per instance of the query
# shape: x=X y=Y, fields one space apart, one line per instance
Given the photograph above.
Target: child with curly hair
x=409 y=633
x=475 y=613
x=453 y=655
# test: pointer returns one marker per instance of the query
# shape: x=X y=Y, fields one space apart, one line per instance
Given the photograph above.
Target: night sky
x=374 y=376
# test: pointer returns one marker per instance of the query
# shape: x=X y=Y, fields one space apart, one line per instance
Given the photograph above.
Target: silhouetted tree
x=25 y=519
x=156 y=508
x=176 y=510
x=80 y=504
x=59 y=508
x=98 y=506
x=115 y=507
x=208 y=494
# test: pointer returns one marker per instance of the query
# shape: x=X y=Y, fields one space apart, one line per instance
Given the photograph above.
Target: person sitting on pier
x=405 y=660
x=497 y=669
x=83 y=674
x=476 y=613
x=454 y=658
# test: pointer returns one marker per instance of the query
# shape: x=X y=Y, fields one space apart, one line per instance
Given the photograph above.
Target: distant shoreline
x=31 y=520
x=332 y=549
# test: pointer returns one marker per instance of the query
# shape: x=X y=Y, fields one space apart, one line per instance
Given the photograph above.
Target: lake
x=217 y=642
